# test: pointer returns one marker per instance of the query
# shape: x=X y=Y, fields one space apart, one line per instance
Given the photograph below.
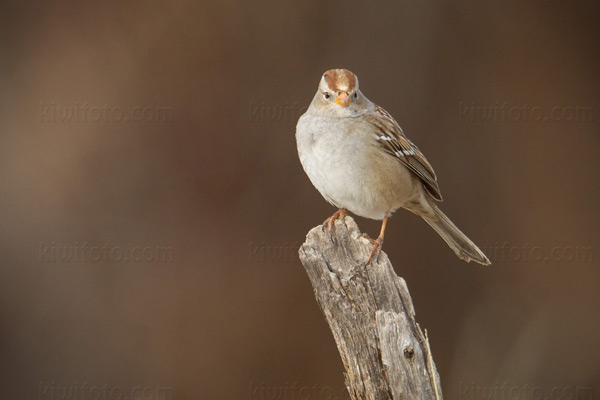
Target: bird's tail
x=459 y=242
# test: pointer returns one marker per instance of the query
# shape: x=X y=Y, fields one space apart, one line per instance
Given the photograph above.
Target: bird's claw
x=376 y=249
x=341 y=213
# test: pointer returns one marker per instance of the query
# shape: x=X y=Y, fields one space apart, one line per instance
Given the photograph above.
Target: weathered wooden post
x=371 y=316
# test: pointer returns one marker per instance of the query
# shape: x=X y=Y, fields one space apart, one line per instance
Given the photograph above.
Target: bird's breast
x=345 y=163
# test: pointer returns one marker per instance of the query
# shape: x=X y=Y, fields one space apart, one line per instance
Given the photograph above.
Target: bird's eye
x=355 y=95
x=326 y=95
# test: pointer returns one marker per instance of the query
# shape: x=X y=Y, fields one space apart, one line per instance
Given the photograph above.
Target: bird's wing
x=390 y=136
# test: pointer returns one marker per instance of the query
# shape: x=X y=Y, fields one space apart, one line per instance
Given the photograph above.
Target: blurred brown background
x=209 y=174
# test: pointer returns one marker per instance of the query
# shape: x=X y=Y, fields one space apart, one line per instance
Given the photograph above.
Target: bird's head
x=339 y=95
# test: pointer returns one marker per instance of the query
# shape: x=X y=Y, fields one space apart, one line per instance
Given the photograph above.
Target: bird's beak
x=343 y=99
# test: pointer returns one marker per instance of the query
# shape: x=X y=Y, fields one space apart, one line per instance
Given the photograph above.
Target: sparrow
x=359 y=159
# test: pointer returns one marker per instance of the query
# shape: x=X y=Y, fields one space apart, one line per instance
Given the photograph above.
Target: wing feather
x=393 y=140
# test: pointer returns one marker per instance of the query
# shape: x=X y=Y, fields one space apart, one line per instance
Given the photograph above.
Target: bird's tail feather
x=459 y=242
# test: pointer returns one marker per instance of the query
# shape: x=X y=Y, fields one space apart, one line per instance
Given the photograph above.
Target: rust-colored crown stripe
x=336 y=78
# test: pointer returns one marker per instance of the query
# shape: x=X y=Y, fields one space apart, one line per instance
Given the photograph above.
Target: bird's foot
x=341 y=213
x=376 y=249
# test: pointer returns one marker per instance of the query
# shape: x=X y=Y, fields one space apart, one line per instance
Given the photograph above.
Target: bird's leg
x=341 y=213
x=378 y=243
